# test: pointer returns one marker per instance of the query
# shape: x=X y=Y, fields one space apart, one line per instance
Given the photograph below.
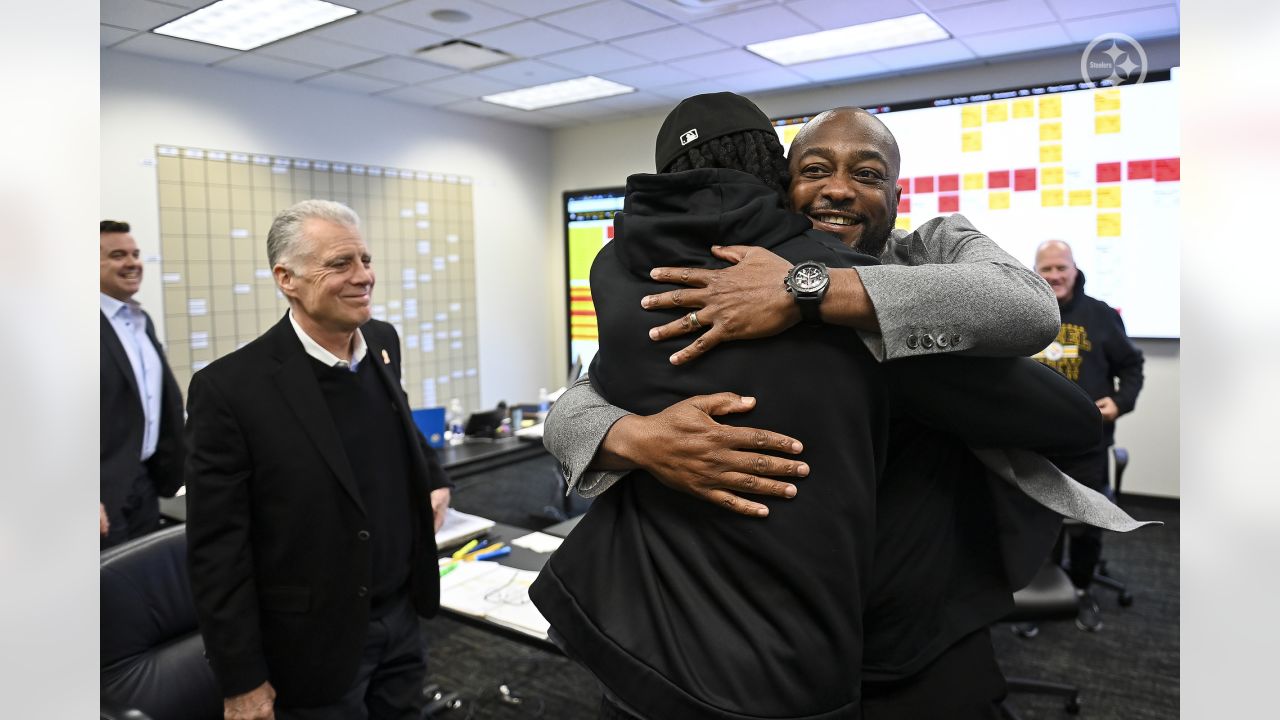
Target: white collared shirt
x=315 y=350
x=131 y=327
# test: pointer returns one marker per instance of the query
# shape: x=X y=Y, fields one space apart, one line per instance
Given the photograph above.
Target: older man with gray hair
x=312 y=498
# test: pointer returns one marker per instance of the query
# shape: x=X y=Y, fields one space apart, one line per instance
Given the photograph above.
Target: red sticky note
x=1141 y=169
x=997 y=179
x=1168 y=169
x=610 y=231
x=905 y=184
x=924 y=184
x=1109 y=172
x=1024 y=179
x=948 y=183
x=904 y=205
x=948 y=203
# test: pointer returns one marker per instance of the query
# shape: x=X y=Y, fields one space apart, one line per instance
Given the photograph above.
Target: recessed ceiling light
x=247 y=24
x=564 y=92
x=851 y=40
x=463 y=55
x=450 y=16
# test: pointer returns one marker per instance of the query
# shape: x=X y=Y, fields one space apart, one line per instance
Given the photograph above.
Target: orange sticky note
x=1051 y=153
x=1109 y=196
x=1108 y=224
x=1051 y=198
x=1050 y=107
x=1080 y=197
x=975 y=181
x=999 y=200
x=1051 y=175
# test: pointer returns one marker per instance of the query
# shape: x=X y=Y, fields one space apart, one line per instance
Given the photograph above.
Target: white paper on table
x=538 y=542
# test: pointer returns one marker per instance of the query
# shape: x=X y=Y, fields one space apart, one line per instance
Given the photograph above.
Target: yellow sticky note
x=1108 y=224
x=1051 y=175
x=1080 y=197
x=1106 y=100
x=999 y=200
x=970 y=116
x=1050 y=107
x=1051 y=198
x=1109 y=196
x=997 y=112
x=1105 y=124
x=1050 y=131
x=1023 y=109
x=1051 y=153
x=975 y=181
x=903 y=223
x=971 y=141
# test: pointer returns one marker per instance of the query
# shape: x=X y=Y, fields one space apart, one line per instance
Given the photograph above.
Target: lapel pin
x=386 y=359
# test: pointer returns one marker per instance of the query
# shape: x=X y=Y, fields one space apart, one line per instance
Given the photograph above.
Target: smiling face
x=330 y=288
x=844 y=177
x=121 y=265
x=1057 y=266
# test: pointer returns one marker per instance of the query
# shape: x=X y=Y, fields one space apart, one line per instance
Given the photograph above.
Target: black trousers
x=1083 y=547
x=964 y=683
x=139 y=515
x=389 y=681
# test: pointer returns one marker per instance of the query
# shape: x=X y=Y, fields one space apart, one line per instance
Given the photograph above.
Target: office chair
x=1049 y=596
x=1101 y=576
x=152 y=655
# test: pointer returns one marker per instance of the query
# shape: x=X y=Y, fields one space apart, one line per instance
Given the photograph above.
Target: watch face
x=809 y=278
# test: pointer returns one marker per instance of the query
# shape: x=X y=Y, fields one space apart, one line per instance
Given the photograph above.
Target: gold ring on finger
x=693 y=320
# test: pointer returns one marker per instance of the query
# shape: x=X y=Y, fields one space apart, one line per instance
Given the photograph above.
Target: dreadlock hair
x=752 y=151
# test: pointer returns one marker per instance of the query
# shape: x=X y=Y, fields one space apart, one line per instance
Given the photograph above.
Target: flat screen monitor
x=588 y=225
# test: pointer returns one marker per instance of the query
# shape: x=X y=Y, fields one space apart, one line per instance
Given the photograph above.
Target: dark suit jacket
x=123 y=423
x=277 y=533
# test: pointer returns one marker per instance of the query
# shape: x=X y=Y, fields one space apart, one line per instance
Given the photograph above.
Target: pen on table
x=445 y=570
x=457 y=554
x=481 y=551
x=491 y=553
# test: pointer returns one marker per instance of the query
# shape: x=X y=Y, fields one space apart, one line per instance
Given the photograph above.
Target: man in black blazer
x=313 y=500
x=141 y=446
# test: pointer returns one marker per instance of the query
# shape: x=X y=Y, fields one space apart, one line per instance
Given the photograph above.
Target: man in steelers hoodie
x=680 y=609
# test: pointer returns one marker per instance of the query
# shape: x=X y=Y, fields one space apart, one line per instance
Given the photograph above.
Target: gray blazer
x=944 y=287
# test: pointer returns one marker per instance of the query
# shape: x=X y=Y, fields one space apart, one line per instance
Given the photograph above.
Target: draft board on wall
x=216 y=208
x=1098 y=167
x=588 y=217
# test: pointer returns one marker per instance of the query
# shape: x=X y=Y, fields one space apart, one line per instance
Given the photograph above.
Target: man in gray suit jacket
x=943 y=288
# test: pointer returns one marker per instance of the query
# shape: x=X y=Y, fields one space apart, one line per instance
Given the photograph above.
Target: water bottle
x=544 y=404
x=455 y=431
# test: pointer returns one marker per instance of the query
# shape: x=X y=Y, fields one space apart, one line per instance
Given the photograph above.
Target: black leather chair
x=153 y=663
x=1049 y=596
x=1101 y=575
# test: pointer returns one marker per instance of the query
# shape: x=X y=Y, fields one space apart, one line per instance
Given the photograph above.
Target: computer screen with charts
x=588 y=225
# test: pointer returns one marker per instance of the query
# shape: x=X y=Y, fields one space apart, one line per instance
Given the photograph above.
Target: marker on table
x=446 y=569
x=482 y=550
x=457 y=554
x=493 y=553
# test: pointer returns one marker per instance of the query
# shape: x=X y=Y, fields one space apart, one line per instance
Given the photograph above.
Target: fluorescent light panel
x=851 y=40
x=564 y=92
x=247 y=24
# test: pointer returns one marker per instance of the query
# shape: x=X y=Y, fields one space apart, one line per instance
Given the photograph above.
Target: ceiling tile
x=650 y=76
x=524 y=73
x=607 y=20
x=269 y=67
x=759 y=80
x=839 y=68
x=112 y=35
x=361 y=5
x=1005 y=42
x=766 y=23
x=175 y=49
x=467 y=86
x=916 y=56
x=318 y=51
x=529 y=38
x=595 y=59
x=401 y=70
x=535 y=8
x=681 y=91
x=687 y=13
x=830 y=15
x=543 y=118
x=670 y=43
x=379 y=34
x=350 y=83
x=725 y=62
x=1156 y=22
x=420 y=95
x=418 y=12
x=947 y=4
x=1076 y=9
x=138 y=14
x=992 y=16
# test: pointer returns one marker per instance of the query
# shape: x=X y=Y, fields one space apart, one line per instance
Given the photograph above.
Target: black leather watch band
x=808 y=282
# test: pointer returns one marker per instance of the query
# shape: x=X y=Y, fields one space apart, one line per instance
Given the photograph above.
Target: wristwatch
x=808 y=282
